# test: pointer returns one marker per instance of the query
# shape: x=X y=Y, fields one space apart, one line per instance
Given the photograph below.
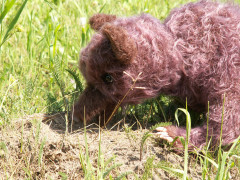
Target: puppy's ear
x=98 y=20
x=122 y=44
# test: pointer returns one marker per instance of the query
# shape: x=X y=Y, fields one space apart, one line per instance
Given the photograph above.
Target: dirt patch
x=37 y=147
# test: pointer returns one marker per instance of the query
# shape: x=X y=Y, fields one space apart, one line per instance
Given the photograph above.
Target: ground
x=37 y=147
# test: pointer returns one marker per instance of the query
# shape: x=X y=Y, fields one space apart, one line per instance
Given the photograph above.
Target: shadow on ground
x=58 y=122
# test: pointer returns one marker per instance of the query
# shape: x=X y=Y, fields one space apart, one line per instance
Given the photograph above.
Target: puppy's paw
x=162 y=132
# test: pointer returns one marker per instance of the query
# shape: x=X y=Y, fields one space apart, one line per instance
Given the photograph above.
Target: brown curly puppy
x=193 y=54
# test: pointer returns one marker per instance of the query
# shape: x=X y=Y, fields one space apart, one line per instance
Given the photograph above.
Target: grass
x=39 y=50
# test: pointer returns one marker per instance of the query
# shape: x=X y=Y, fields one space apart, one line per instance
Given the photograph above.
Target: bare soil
x=38 y=147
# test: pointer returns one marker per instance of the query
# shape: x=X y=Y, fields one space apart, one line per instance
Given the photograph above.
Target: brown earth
x=21 y=155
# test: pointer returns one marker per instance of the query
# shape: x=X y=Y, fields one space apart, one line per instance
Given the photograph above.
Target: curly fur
x=193 y=54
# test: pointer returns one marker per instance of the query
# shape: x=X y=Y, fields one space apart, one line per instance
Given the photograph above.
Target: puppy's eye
x=107 y=78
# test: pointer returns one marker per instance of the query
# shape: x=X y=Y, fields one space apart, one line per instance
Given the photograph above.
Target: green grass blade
x=162 y=111
x=100 y=160
x=7 y=8
x=109 y=161
x=188 y=129
x=82 y=160
x=170 y=169
x=3 y=147
x=79 y=85
x=64 y=176
x=6 y=93
x=110 y=169
x=225 y=160
x=235 y=143
x=13 y=22
x=210 y=160
x=144 y=138
x=221 y=159
x=102 y=8
x=221 y=171
x=40 y=156
x=123 y=175
x=55 y=39
x=51 y=5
